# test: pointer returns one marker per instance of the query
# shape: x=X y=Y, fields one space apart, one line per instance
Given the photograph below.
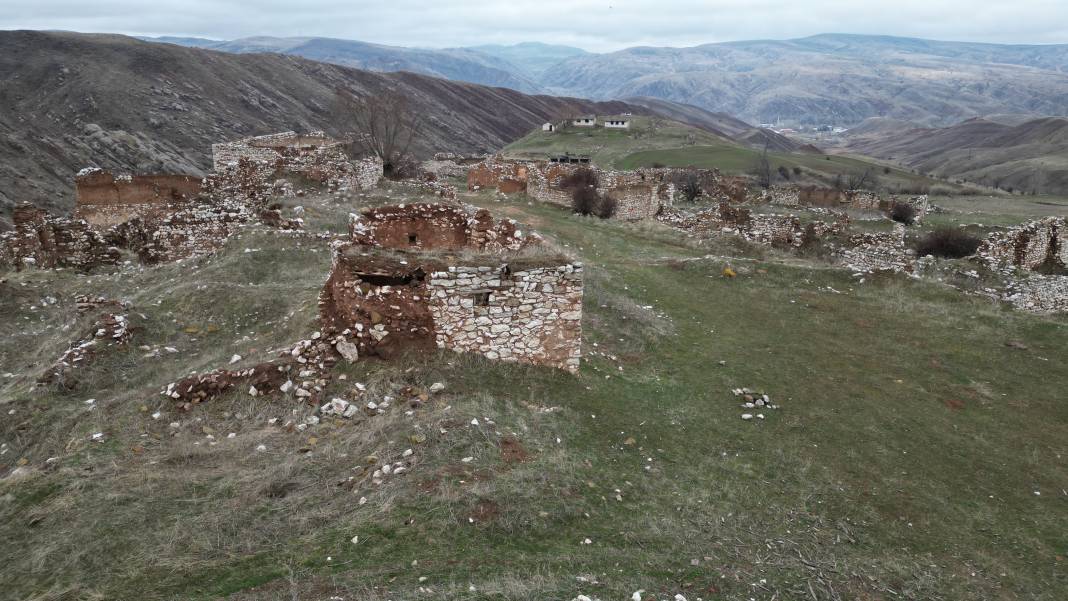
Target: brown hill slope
x=73 y=100
x=1032 y=156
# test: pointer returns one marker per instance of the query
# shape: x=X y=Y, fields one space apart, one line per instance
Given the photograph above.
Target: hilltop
x=659 y=141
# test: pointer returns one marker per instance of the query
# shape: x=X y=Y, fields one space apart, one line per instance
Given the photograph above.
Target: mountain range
x=825 y=79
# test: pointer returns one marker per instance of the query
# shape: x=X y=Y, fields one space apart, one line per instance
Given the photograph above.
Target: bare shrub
x=689 y=185
x=903 y=212
x=585 y=200
x=583 y=177
x=950 y=243
x=606 y=207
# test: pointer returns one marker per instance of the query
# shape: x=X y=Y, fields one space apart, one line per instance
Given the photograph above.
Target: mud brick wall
x=532 y=315
x=879 y=252
x=104 y=199
x=436 y=226
x=380 y=305
x=1028 y=246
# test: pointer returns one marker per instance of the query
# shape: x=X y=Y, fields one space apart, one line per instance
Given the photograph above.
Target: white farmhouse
x=549 y=127
x=617 y=123
x=585 y=121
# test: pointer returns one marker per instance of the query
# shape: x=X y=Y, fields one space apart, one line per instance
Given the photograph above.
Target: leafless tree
x=865 y=181
x=384 y=124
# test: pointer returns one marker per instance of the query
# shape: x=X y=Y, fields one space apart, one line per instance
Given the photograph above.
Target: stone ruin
x=1031 y=246
x=39 y=240
x=1035 y=258
x=312 y=156
x=439 y=227
x=419 y=277
x=833 y=198
x=170 y=217
x=759 y=228
x=879 y=251
x=104 y=200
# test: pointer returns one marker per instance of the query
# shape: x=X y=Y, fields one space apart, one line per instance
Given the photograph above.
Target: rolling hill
x=837 y=79
x=1030 y=157
x=75 y=100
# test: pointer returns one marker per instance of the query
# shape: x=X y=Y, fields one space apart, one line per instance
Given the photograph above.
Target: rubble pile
x=754 y=403
x=111 y=329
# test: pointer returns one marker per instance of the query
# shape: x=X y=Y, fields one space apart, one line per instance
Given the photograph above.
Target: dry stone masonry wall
x=533 y=315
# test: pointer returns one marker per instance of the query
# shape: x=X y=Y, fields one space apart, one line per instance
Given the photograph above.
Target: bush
x=584 y=201
x=903 y=212
x=587 y=201
x=583 y=177
x=784 y=172
x=606 y=207
x=797 y=171
x=949 y=243
x=688 y=184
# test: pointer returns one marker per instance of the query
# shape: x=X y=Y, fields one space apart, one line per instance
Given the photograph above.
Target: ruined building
x=103 y=199
x=40 y=240
x=426 y=276
x=312 y=156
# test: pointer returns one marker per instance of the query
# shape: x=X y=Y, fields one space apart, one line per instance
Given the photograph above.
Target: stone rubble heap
x=754 y=403
x=111 y=329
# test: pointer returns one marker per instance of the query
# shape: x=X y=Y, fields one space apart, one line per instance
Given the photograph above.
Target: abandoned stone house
x=585 y=121
x=639 y=194
x=548 y=127
x=441 y=276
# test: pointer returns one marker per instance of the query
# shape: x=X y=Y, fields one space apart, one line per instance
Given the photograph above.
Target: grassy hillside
x=653 y=142
x=610 y=147
x=916 y=455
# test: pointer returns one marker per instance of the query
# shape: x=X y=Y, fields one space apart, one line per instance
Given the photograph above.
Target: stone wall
x=436 y=226
x=510 y=312
x=103 y=199
x=507 y=177
x=313 y=156
x=1029 y=246
x=639 y=194
x=1040 y=294
x=760 y=228
x=40 y=240
x=879 y=252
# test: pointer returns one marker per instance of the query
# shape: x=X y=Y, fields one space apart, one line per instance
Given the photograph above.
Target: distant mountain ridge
x=838 y=79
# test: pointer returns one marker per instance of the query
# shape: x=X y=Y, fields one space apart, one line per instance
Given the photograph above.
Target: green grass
x=902 y=464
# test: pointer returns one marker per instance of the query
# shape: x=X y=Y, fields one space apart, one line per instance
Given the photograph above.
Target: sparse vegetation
x=903 y=212
x=947 y=242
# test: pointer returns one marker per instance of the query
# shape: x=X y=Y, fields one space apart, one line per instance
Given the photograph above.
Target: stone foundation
x=879 y=252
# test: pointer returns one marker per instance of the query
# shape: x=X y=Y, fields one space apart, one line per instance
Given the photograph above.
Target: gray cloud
x=597 y=25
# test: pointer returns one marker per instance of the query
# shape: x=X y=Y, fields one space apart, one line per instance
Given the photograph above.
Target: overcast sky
x=597 y=25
